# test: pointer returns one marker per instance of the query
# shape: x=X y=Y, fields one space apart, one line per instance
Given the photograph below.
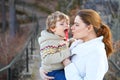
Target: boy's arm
x=50 y=56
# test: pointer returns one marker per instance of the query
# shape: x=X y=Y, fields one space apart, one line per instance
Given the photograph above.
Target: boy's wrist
x=66 y=62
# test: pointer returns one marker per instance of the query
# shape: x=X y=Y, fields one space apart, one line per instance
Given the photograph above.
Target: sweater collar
x=45 y=35
x=95 y=40
x=87 y=44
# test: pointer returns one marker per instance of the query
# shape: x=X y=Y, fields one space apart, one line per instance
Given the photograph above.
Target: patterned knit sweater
x=53 y=51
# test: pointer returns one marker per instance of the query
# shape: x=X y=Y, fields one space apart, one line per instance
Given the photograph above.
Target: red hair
x=92 y=17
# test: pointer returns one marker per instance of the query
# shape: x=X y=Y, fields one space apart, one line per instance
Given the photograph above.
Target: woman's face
x=79 y=29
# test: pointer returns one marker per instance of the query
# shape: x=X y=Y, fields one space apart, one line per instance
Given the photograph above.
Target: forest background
x=18 y=19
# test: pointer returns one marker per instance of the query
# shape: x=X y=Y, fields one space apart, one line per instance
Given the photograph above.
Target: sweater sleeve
x=57 y=57
x=96 y=67
x=71 y=72
x=53 y=52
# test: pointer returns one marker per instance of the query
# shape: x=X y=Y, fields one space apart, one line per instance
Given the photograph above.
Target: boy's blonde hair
x=53 y=18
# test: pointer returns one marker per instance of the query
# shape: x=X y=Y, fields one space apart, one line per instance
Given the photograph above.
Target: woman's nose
x=72 y=27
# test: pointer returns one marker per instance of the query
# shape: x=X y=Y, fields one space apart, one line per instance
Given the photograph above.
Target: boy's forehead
x=62 y=20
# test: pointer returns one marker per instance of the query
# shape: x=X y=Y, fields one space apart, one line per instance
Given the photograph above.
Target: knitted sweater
x=53 y=51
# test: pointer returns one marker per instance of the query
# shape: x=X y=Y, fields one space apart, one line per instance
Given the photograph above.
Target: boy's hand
x=66 y=62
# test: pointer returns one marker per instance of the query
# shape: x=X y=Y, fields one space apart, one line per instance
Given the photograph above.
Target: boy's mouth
x=66 y=34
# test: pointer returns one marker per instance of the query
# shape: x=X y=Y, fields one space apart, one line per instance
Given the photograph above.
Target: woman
x=90 y=57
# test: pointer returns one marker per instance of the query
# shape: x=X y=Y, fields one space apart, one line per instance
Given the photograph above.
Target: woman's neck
x=90 y=37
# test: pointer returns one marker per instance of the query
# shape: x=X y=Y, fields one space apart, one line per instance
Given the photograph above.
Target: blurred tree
x=62 y=5
x=3 y=16
x=12 y=19
x=67 y=5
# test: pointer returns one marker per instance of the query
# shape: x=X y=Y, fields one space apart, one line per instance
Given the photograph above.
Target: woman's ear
x=90 y=27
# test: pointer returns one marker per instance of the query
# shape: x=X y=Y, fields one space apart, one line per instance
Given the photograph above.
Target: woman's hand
x=43 y=74
x=66 y=62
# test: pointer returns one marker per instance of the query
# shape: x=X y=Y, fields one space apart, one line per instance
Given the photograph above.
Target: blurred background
x=21 y=22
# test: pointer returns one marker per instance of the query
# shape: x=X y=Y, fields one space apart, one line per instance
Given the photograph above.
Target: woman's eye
x=61 y=24
x=76 y=25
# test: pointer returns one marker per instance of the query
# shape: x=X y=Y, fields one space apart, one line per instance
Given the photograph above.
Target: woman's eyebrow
x=76 y=23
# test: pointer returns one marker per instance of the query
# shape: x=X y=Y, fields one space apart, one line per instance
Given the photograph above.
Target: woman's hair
x=53 y=18
x=91 y=17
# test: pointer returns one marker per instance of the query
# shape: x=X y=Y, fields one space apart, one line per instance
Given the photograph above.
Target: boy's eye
x=77 y=25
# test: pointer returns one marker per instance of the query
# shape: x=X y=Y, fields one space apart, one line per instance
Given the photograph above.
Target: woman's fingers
x=44 y=76
x=48 y=78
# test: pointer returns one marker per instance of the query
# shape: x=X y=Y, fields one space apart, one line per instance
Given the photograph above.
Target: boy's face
x=60 y=28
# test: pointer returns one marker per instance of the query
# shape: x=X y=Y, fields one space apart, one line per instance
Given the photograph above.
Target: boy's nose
x=67 y=25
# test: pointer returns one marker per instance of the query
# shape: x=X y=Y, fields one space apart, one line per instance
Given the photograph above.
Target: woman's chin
x=75 y=37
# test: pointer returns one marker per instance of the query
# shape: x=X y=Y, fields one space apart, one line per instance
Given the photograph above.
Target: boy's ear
x=53 y=29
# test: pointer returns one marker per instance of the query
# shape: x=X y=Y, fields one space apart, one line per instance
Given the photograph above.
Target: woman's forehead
x=77 y=19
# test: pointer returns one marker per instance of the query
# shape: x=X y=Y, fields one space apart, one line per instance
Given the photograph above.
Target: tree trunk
x=80 y=2
x=12 y=21
x=3 y=16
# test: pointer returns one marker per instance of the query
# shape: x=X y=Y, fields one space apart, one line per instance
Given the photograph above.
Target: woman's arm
x=95 y=69
x=71 y=72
